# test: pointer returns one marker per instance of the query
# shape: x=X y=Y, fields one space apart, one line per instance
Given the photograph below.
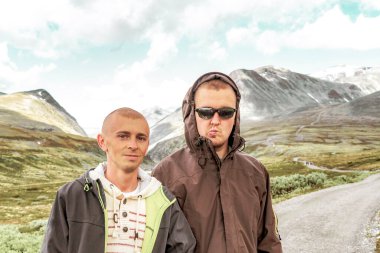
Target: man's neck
x=125 y=181
x=221 y=152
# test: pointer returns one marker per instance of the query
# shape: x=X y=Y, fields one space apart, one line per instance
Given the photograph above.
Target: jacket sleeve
x=181 y=238
x=269 y=240
x=157 y=173
x=56 y=236
x=162 y=174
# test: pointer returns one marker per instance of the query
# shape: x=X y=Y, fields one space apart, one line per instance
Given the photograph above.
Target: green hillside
x=347 y=145
x=34 y=164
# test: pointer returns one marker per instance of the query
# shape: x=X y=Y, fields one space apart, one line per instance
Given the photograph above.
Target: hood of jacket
x=196 y=142
x=147 y=184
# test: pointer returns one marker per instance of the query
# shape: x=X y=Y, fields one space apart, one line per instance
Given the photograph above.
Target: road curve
x=330 y=220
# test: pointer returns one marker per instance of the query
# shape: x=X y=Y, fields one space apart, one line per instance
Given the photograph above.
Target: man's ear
x=101 y=142
x=146 y=152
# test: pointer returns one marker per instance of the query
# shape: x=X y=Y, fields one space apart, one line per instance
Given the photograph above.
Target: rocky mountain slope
x=268 y=91
x=155 y=114
x=367 y=78
x=40 y=107
x=367 y=106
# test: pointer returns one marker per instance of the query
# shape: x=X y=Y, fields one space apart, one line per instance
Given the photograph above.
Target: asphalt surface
x=337 y=219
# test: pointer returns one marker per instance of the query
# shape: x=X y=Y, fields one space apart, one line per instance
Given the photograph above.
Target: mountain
x=269 y=91
x=168 y=127
x=266 y=92
x=155 y=114
x=40 y=107
x=42 y=147
x=367 y=106
x=367 y=78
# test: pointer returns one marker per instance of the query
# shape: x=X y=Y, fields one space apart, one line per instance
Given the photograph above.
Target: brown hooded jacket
x=227 y=202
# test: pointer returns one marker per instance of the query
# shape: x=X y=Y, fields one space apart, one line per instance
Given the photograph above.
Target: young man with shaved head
x=117 y=207
x=223 y=192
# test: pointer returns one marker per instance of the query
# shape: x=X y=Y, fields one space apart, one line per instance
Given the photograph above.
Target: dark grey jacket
x=77 y=222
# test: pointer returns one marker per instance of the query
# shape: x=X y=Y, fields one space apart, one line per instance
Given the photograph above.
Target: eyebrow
x=142 y=134
x=127 y=132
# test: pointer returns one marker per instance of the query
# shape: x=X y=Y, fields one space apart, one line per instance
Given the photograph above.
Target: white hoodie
x=126 y=210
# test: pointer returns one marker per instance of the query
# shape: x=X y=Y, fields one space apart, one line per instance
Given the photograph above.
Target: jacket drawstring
x=115 y=214
x=137 y=222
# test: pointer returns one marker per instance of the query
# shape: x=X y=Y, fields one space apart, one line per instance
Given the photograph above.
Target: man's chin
x=130 y=169
x=217 y=143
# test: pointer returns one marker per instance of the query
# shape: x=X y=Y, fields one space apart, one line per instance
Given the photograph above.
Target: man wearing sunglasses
x=224 y=193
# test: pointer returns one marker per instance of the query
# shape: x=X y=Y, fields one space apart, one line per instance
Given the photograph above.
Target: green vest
x=156 y=205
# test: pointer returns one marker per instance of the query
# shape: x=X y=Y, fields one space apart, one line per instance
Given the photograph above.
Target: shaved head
x=125 y=140
x=121 y=112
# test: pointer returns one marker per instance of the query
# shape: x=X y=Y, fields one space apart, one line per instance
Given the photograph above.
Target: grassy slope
x=348 y=146
x=34 y=164
x=351 y=146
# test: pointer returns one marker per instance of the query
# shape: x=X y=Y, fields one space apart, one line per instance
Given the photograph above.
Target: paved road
x=331 y=220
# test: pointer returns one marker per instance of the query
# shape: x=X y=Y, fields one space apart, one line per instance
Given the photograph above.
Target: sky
x=94 y=56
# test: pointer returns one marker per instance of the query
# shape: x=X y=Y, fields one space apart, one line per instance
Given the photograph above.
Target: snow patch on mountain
x=155 y=114
x=367 y=78
x=269 y=91
x=169 y=127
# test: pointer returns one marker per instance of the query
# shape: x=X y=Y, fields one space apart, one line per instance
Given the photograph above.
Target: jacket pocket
x=86 y=237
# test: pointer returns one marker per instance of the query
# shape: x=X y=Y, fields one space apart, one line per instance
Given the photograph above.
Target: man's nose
x=215 y=120
x=132 y=144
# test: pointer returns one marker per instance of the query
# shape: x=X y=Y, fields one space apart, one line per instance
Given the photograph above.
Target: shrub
x=286 y=184
x=22 y=239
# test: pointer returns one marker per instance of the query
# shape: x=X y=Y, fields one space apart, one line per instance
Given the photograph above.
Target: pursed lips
x=213 y=132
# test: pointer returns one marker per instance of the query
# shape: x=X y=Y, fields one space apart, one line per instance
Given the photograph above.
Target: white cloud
x=334 y=30
x=139 y=85
x=217 y=52
x=239 y=35
x=53 y=29
x=162 y=48
x=4 y=53
x=208 y=16
x=370 y=4
x=20 y=79
x=268 y=42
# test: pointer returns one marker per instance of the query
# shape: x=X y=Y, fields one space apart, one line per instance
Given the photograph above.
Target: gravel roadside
x=337 y=219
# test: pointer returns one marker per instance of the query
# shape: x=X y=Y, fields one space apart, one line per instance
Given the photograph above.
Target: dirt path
x=335 y=220
x=298 y=134
x=312 y=166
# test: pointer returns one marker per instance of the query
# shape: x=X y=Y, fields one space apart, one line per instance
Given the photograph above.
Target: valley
x=309 y=133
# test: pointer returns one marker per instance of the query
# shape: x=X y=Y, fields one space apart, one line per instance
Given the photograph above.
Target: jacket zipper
x=105 y=215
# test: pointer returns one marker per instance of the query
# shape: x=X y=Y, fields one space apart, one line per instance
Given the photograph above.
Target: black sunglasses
x=208 y=112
